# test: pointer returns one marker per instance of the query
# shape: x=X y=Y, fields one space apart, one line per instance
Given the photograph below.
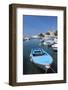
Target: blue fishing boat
x=41 y=58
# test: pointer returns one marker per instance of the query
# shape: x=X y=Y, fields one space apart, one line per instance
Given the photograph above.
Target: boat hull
x=44 y=67
x=42 y=59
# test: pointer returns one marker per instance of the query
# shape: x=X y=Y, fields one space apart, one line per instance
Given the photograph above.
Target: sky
x=34 y=25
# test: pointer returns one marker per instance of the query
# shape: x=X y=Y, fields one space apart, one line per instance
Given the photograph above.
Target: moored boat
x=55 y=46
x=41 y=58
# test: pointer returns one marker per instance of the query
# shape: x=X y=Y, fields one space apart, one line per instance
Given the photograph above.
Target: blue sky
x=34 y=25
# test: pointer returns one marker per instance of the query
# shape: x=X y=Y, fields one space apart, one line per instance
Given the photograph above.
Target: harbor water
x=31 y=68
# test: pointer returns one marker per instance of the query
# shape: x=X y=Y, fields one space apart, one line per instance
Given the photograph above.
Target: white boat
x=55 y=46
x=41 y=58
x=26 y=39
x=48 y=42
x=55 y=40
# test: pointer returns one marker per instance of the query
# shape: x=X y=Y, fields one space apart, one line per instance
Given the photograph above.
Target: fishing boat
x=41 y=58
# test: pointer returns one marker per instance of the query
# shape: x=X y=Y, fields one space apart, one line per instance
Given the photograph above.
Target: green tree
x=47 y=33
x=41 y=35
x=55 y=33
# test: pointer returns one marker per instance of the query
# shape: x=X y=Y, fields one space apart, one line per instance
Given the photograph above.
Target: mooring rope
x=52 y=69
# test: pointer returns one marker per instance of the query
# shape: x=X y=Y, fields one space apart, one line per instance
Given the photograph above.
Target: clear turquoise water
x=28 y=66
